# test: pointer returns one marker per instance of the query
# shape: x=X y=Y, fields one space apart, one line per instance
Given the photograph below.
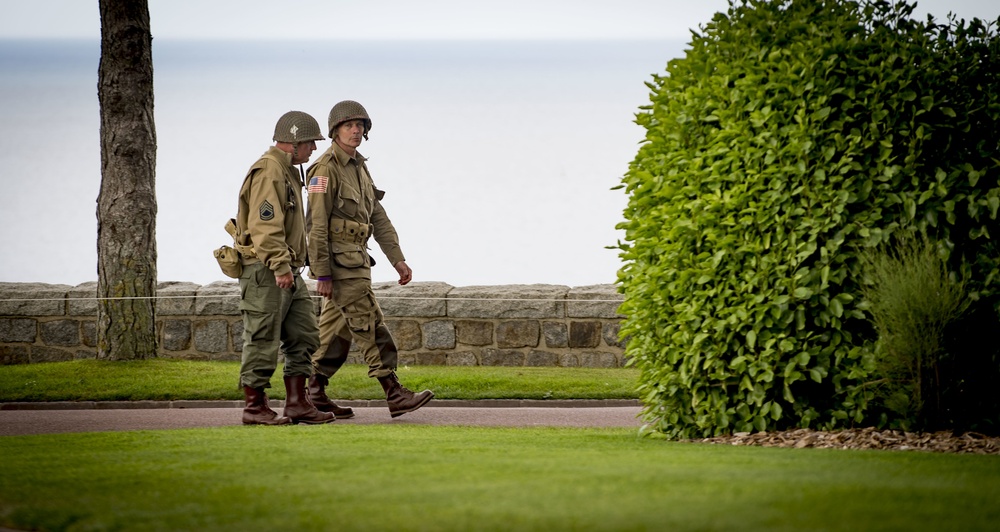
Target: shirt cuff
x=283 y=269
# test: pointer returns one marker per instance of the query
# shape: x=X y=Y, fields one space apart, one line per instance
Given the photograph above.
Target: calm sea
x=497 y=156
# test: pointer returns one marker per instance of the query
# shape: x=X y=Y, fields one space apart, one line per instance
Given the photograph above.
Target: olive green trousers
x=275 y=319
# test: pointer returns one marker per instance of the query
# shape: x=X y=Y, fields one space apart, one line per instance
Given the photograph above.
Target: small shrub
x=912 y=300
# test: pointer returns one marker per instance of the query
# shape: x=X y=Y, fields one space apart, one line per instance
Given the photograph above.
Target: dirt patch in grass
x=866 y=438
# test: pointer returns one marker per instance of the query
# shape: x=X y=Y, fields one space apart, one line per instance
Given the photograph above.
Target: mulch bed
x=866 y=438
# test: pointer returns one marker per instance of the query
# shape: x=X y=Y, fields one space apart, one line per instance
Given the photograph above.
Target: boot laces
x=402 y=388
x=266 y=405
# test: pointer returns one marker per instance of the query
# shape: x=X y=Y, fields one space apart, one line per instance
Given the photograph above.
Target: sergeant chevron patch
x=266 y=211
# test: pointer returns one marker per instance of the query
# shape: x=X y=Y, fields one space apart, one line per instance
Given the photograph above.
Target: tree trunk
x=126 y=206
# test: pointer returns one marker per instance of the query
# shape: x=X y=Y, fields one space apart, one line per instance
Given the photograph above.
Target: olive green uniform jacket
x=345 y=210
x=270 y=216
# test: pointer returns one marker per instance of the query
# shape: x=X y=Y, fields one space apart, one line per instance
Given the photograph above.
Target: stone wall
x=432 y=323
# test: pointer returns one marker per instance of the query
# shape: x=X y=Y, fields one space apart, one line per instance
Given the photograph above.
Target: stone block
x=569 y=360
x=502 y=357
x=41 y=353
x=236 y=332
x=463 y=358
x=221 y=298
x=176 y=335
x=176 y=299
x=211 y=336
x=610 y=334
x=14 y=354
x=556 y=334
x=541 y=358
x=85 y=354
x=18 y=330
x=517 y=333
x=64 y=333
x=439 y=334
x=88 y=333
x=596 y=301
x=598 y=360
x=33 y=299
x=406 y=334
x=430 y=359
x=469 y=332
x=82 y=299
x=227 y=356
x=584 y=334
x=424 y=300
x=509 y=301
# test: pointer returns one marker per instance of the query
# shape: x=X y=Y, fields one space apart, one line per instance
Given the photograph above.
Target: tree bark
x=126 y=206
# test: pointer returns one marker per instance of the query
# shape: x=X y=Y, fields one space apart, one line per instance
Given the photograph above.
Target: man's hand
x=285 y=281
x=405 y=273
x=324 y=288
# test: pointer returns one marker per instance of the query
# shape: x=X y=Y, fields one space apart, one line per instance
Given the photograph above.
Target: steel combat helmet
x=348 y=110
x=297 y=127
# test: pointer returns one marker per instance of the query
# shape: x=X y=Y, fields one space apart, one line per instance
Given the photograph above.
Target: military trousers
x=353 y=315
x=275 y=319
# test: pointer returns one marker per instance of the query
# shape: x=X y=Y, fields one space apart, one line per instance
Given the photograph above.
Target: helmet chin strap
x=295 y=155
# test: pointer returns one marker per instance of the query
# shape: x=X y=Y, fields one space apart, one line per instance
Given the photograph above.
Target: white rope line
x=209 y=296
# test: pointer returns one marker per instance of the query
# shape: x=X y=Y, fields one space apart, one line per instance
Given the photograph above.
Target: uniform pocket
x=347 y=254
x=259 y=300
x=348 y=200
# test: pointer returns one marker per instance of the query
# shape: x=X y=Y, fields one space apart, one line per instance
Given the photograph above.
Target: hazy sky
x=405 y=19
x=573 y=247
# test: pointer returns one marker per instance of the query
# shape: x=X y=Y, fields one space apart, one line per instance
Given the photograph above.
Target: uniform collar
x=343 y=158
x=282 y=156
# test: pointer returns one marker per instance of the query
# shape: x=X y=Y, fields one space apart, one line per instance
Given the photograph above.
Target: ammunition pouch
x=342 y=230
x=347 y=242
x=229 y=257
x=229 y=261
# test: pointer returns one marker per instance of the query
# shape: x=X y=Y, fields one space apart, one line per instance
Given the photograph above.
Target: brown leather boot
x=257 y=411
x=399 y=398
x=317 y=395
x=297 y=405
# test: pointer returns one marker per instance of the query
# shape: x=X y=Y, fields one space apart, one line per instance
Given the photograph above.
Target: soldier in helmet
x=274 y=301
x=345 y=210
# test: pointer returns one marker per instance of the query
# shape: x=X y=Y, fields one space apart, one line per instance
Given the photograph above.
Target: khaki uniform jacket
x=345 y=210
x=270 y=216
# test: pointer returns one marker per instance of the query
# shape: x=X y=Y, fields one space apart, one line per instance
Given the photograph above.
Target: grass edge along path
x=172 y=379
x=464 y=478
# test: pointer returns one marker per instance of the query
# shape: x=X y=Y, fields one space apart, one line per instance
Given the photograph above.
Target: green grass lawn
x=170 y=379
x=414 y=477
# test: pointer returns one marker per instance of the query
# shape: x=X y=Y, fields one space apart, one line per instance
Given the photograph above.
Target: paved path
x=20 y=419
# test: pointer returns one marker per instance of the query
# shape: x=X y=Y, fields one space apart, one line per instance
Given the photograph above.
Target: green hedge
x=792 y=136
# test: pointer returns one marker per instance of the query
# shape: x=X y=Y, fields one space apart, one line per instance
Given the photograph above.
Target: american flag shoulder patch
x=317 y=185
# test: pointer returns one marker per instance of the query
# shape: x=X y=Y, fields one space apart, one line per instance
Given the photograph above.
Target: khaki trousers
x=353 y=315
